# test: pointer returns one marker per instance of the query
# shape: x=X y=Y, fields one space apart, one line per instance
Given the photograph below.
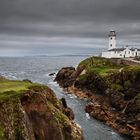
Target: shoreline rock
x=110 y=104
x=35 y=114
x=52 y=74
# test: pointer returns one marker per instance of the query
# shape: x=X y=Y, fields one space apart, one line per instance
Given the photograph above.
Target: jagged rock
x=112 y=86
x=66 y=76
x=92 y=82
x=68 y=111
x=52 y=74
x=36 y=114
x=63 y=100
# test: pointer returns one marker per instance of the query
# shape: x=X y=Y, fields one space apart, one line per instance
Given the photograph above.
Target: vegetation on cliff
x=101 y=66
x=113 y=87
x=31 y=111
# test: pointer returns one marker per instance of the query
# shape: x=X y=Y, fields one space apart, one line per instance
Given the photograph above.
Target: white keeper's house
x=116 y=52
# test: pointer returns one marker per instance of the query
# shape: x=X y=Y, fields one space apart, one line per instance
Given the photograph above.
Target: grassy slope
x=8 y=85
x=104 y=67
x=99 y=65
x=9 y=89
x=12 y=88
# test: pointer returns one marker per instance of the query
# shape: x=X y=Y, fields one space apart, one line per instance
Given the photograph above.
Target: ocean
x=37 y=69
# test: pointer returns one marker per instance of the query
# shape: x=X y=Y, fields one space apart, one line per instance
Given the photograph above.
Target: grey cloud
x=88 y=20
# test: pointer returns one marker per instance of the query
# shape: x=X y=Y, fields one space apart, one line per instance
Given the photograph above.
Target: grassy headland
x=101 y=66
x=32 y=111
x=113 y=87
x=11 y=88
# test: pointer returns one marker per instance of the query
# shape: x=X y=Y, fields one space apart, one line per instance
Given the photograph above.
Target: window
x=120 y=54
x=111 y=45
x=111 y=38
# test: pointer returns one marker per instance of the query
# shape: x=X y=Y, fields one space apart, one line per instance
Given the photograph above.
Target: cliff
x=113 y=89
x=30 y=111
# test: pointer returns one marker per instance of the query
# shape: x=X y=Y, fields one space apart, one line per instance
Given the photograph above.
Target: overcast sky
x=27 y=26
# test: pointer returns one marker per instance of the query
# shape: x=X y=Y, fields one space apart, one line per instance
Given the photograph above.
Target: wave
x=10 y=75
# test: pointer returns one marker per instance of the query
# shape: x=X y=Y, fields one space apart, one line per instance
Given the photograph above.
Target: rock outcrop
x=66 y=76
x=36 y=114
x=113 y=88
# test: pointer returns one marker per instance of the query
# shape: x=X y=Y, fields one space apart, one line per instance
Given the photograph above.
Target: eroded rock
x=37 y=115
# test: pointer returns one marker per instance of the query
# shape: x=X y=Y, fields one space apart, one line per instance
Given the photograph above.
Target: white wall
x=109 y=54
x=127 y=53
x=138 y=53
x=112 y=42
x=121 y=54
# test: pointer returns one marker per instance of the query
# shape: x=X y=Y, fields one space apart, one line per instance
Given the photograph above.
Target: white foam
x=71 y=95
x=88 y=116
x=9 y=75
x=22 y=72
x=47 y=75
x=53 y=83
x=113 y=133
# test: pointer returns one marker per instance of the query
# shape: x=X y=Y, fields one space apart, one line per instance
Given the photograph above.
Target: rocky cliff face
x=36 y=114
x=112 y=87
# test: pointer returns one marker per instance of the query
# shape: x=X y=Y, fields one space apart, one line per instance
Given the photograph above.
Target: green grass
x=11 y=88
x=10 y=85
x=132 y=68
x=103 y=71
x=101 y=66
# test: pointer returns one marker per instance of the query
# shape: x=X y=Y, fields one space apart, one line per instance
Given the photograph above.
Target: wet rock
x=52 y=74
x=66 y=76
x=63 y=100
x=96 y=111
x=67 y=111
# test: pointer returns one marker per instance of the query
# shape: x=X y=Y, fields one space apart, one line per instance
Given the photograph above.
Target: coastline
x=100 y=107
x=105 y=113
x=32 y=111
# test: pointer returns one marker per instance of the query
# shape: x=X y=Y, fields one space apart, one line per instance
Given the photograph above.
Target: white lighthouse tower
x=112 y=40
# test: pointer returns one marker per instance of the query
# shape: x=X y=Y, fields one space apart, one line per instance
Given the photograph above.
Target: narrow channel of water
x=93 y=129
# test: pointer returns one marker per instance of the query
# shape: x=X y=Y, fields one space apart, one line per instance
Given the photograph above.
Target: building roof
x=117 y=49
x=122 y=49
x=133 y=49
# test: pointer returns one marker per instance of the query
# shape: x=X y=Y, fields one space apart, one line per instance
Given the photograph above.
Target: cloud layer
x=83 y=23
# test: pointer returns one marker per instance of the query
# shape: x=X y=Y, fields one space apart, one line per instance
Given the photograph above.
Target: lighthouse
x=112 y=40
x=120 y=52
